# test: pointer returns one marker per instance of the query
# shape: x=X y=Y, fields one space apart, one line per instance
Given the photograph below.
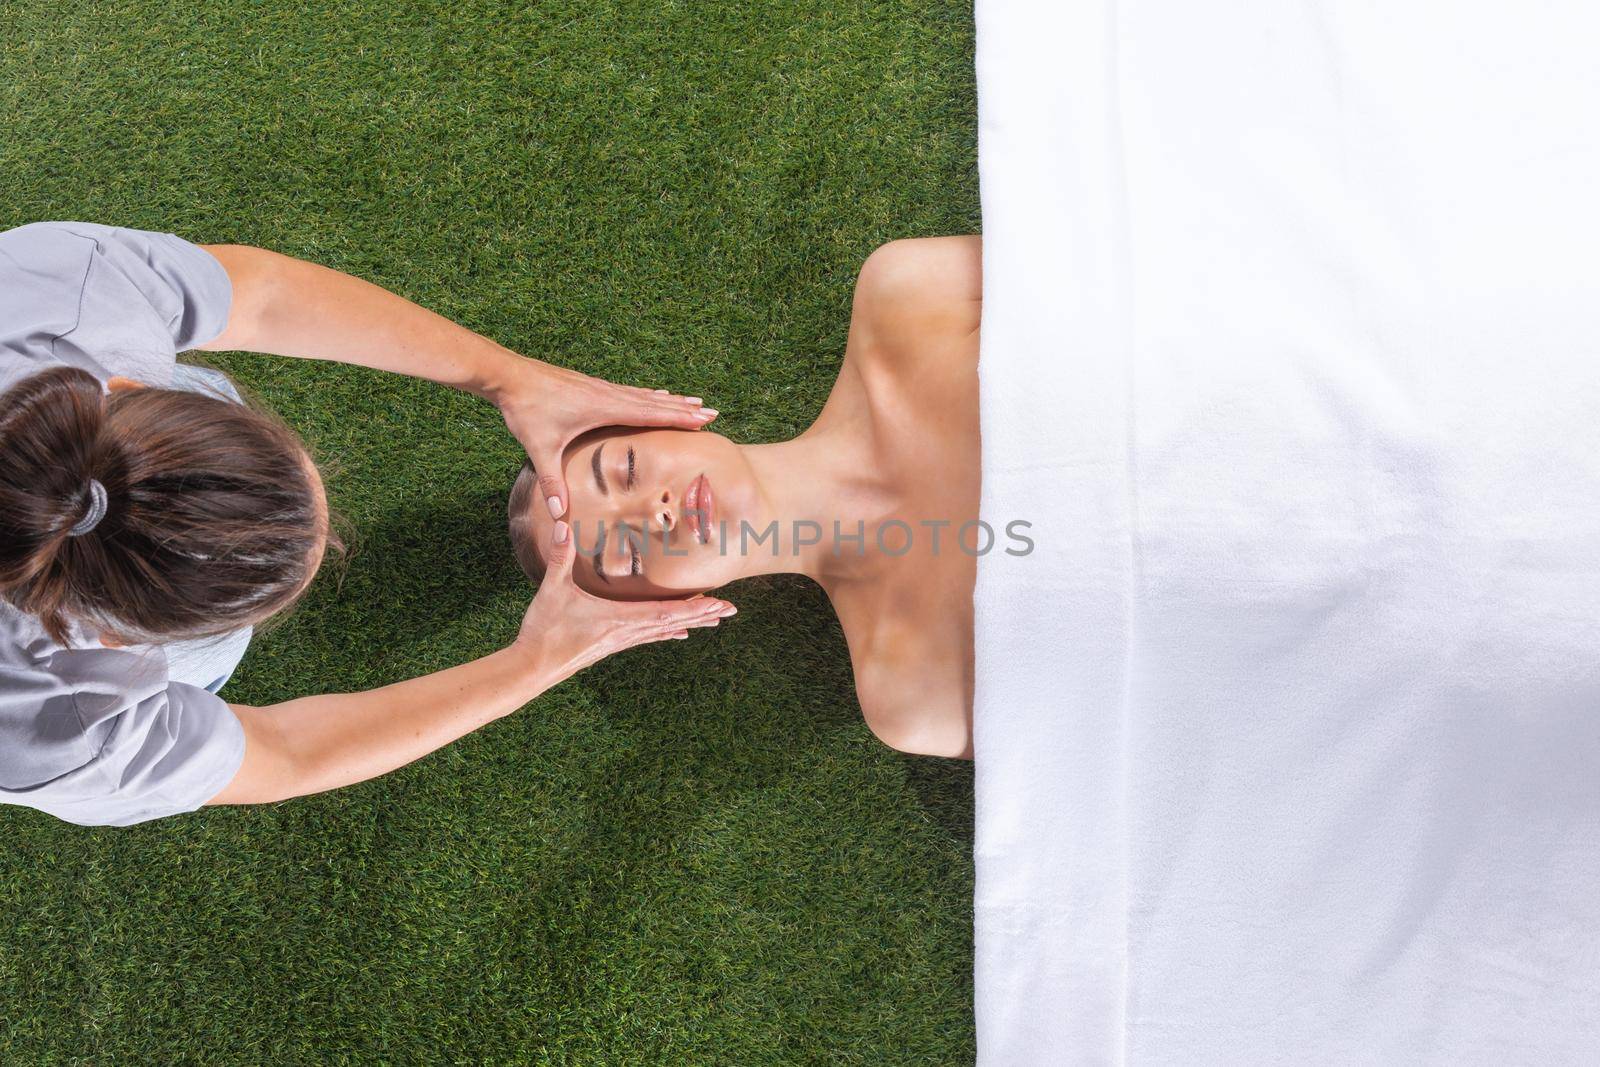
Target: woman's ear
x=118 y=384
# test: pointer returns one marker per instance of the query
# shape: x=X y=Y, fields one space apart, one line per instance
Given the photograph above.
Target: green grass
x=692 y=853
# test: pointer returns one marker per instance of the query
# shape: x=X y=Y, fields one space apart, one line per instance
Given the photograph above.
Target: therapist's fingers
x=670 y=620
x=644 y=622
x=667 y=409
x=670 y=616
x=679 y=397
x=574 y=631
x=559 y=554
x=567 y=629
x=552 y=489
x=630 y=405
x=664 y=395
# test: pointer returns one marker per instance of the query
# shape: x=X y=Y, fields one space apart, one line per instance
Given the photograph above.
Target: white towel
x=1288 y=733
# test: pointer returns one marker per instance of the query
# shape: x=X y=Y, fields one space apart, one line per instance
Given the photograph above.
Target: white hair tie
x=96 y=512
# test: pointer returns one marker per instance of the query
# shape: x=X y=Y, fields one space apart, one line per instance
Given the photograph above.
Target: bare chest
x=908 y=621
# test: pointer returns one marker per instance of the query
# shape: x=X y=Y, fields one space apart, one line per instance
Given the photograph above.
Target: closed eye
x=636 y=544
x=599 y=554
x=630 y=468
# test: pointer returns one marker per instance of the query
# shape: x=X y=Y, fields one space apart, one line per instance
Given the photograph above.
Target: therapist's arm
x=288 y=307
x=318 y=743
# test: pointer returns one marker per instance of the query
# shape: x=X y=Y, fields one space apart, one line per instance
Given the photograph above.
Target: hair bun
x=49 y=427
x=176 y=474
x=96 y=510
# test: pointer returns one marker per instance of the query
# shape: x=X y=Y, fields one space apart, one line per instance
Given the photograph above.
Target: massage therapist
x=149 y=519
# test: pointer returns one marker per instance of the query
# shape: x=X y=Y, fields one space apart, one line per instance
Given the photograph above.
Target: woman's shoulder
x=918 y=285
x=910 y=662
x=918 y=303
x=912 y=266
x=915 y=709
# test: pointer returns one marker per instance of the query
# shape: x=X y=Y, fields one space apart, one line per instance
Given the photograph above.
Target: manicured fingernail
x=729 y=611
x=693 y=400
x=680 y=637
x=562 y=530
x=707 y=413
x=554 y=504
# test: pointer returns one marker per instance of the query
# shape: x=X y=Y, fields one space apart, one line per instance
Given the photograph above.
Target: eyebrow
x=599 y=475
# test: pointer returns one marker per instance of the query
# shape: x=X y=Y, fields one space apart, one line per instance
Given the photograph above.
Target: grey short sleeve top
x=111 y=301
x=89 y=734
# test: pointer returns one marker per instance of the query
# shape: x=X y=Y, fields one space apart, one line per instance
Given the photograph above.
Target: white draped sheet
x=1288 y=731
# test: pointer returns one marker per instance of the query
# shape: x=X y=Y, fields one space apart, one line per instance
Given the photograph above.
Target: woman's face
x=657 y=513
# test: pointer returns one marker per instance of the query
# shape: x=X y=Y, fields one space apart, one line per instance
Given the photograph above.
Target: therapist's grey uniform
x=90 y=734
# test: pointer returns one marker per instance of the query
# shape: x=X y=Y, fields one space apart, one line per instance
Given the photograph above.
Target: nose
x=664 y=510
x=655 y=511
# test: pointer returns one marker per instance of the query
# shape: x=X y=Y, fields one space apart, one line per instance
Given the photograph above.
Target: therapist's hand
x=547 y=407
x=323 y=742
x=566 y=629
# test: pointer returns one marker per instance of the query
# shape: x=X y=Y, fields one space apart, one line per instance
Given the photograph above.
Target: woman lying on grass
x=877 y=501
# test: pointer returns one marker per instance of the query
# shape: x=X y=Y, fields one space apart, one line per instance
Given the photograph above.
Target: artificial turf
x=692 y=853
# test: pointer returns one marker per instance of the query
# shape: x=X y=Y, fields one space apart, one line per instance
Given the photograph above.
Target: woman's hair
x=519 y=511
x=211 y=515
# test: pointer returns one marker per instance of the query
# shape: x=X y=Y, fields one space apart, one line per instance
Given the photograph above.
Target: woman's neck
x=826 y=494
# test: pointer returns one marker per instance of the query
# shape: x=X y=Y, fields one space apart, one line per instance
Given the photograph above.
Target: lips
x=700 y=508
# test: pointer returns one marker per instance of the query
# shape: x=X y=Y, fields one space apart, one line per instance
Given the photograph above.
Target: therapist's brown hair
x=213 y=519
